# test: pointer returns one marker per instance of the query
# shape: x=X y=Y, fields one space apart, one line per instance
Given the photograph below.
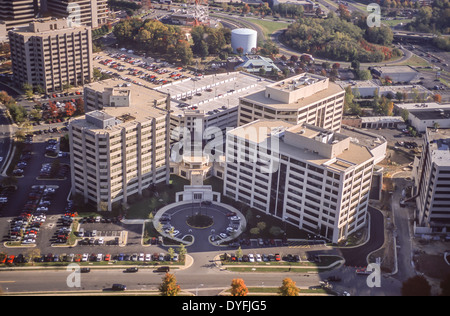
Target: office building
x=313 y=178
x=18 y=12
x=51 y=54
x=203 y=108
x=93 y=13
x=119 y=150
x=431 y=174
x=305 y=98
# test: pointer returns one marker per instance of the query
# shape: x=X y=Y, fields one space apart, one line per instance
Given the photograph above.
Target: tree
x=171 y=252
x=437 y=98
x=239 y=253
x=183 y=52
x=240 y=50
x=238 y=288
x=182 y=252
x=70 y=109
x=416 y=286
x=169 y=286
x=288 y=288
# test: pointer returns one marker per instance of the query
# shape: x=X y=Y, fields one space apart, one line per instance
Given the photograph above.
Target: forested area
x=337 y=38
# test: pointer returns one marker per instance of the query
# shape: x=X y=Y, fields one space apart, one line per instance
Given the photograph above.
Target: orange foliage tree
x=238 y=288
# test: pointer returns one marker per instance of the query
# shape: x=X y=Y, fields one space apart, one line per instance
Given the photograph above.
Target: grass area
x=161 y=196
x=274 y=290
x=392 y=23
x=268 y=27
x=415 y=61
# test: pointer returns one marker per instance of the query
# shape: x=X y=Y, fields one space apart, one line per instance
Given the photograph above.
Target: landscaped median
x=326 y=263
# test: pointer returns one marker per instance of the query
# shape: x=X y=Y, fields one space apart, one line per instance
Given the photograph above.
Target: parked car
x=118 y=287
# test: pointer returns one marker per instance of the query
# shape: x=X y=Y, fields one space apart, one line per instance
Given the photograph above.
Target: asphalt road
x=358 y=256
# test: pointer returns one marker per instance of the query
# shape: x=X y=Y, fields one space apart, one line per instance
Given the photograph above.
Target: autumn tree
x=70 y=109
x=437 y=98
x=288 y=288
x=53 y=109
x=169 y=286
x=238 y=288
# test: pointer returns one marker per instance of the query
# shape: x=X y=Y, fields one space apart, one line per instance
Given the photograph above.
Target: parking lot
x=138 y=70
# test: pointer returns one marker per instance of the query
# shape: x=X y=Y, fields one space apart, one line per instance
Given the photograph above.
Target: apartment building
x=431 y=174
x=51 y=54
x=305 y=98
x=119 y=150
x=313 y=178
x=93 y=13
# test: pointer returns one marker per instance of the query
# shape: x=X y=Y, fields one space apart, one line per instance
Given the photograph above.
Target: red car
x=10 y=259
x=277 y=257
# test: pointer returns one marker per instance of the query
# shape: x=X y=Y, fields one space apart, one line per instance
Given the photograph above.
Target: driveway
x=358 y=256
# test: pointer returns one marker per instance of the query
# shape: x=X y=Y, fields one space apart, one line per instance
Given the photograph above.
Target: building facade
x=51 y=54
x=118 y=151
x=18 y=12
x=315 y=179
x=432 y=182
x=305 y=98
x=93 y=13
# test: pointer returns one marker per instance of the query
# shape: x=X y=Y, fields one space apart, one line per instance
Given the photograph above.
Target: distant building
x=431 y=174
x=254 y=64
x=397 y=74
x=18 y=12
x=51 y=54
x=308 y=6
x=421 y=119
x=93 y=13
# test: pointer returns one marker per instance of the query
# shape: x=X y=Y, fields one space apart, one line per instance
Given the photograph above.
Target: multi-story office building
x=91 y=13
x=305 y=98
x=316 y=179
x=432 y=182
x=51 y=54
x=202 y=109
x=18 y=12
x=120 y=150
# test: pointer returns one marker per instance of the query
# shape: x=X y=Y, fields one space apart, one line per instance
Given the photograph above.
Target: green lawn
x=268 y=27
x=163 y=195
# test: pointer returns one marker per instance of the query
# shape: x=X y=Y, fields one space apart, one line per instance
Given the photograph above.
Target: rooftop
x=431 y=114
x=439 y=142
x=211 y=93
x=306 y=142
x=140 y=96
x=260 y=98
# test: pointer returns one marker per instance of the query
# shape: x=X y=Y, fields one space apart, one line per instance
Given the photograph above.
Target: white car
x=85 y=257
x=251 y=258
x=148 y=257
x=258 y=257
x=42 y=209
x=101 y=241
x=99 y=257
x=141 y=257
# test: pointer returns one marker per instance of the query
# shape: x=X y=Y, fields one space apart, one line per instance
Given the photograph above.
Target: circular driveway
x=221 y=214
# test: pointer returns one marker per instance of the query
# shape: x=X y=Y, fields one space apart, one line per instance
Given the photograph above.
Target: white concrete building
x=315 y=179
x=432 y=182
x=51 y=54
x=119 y=150
x=305 y=98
